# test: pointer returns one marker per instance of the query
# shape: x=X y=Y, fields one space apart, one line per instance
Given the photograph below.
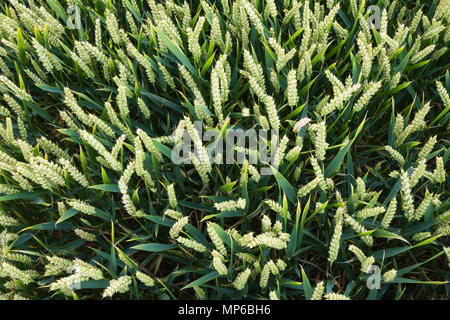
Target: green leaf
x=176 y=51
x=427 y=241
x=208 y=277
x=50 y=226
x=290 y=192
x=307 y=286
x=207 y=64
x=380 y=233
x=21 y=195
x=67 y=215
x=337 y=160
x=21 y=48
x=52 y=4
x=154 y=247
x=105 y=177
x=106 y=187
x=398 y=88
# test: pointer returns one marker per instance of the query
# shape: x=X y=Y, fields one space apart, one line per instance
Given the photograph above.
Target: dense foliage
x=94 y=95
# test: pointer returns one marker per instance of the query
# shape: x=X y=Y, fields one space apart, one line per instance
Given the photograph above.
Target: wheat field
x=350 y=202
